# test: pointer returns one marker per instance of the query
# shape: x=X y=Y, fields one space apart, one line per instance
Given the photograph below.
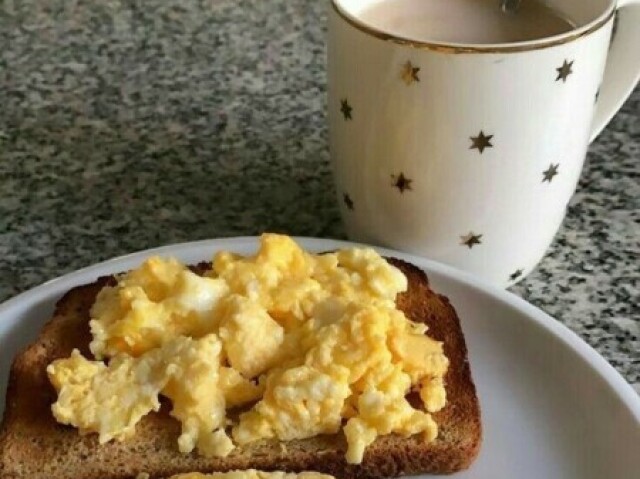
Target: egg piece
x=194 y=300
x=357 y=341
x=375 y=275
x=250 y=336
x=111 y=400
x=237 y=389
x=150 y=306
x=216 y=444
x=156 y=276
x=298 y=403
x=75 y=370
x=294 y=301
x=255 y=277
x=420 y=355
x=359 y=436
x=192 y=368
x=127 y=321
x=433 y=394
x=384 y=409
x=152 y=281
x=278 y=278
x=289 y=283
x=107 y=400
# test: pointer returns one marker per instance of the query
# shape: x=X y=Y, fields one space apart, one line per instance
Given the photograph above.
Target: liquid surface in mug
x=465 y=21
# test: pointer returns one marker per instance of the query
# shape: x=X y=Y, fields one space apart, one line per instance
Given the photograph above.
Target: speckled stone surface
x=129 y=124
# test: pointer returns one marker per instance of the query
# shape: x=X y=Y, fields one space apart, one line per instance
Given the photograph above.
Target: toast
x=34 y=445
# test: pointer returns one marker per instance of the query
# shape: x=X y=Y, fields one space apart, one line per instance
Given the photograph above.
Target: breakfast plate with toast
x=298 y=355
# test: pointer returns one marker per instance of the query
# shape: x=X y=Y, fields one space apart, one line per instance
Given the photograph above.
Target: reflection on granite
x=127 y=125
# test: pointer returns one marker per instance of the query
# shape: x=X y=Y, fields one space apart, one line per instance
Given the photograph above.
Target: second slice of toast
x=34 y=445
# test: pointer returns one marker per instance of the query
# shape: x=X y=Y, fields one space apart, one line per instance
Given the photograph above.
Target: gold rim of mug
x=443 y=47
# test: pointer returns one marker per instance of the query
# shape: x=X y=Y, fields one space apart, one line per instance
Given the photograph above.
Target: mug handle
x=623 y=65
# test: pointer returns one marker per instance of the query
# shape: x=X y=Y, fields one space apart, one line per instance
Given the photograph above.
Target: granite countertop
x=126 y=125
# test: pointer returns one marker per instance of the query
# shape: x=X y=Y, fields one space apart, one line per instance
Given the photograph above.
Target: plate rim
x=614 y=380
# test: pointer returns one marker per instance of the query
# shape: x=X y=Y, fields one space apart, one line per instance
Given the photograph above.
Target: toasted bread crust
x=34 y=445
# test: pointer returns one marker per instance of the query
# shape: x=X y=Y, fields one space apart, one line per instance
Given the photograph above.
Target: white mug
x=468 y=154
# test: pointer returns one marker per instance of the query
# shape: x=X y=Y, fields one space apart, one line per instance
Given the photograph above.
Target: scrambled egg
x=305 y=344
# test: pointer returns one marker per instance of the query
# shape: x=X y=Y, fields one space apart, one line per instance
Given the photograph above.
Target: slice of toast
x=34 y=445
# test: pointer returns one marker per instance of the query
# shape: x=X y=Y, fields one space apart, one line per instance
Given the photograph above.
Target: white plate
x=551 y=406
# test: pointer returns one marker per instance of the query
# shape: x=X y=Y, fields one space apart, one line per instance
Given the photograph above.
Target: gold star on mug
x=550 y=172
x=347 y=201
x=481 y=142
x=410 y=73
x=564 y=71
x=346 y=109
x=470 y=240
x=516 y=274
x=401 y=182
